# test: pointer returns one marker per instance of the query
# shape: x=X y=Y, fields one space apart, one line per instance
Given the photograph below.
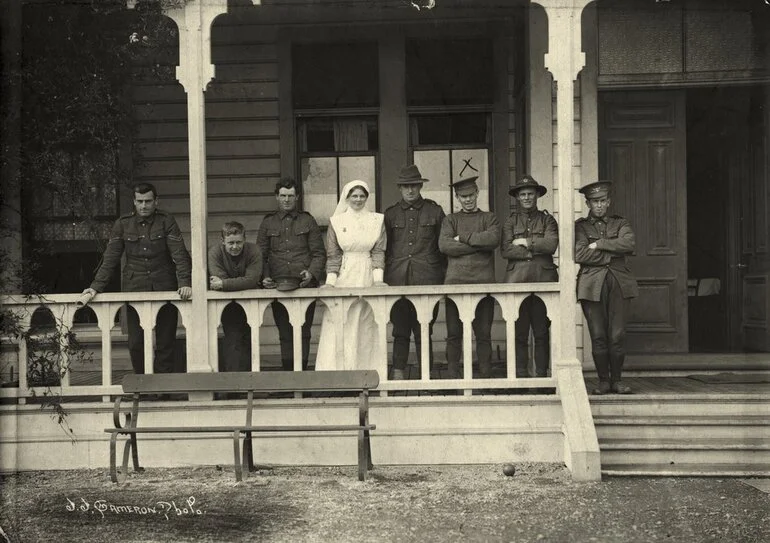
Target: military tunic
x=156 y=256
x=614 y=240
x=291 y=242
x=156 y=260
x=533 y=263
x=605 y=286
x=412 y=256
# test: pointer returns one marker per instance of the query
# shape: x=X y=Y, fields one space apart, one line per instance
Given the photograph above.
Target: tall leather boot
x=616 y=370
x=602 y=363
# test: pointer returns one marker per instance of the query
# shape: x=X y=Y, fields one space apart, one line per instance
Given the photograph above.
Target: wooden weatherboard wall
x=242 y=131
x=250 y=125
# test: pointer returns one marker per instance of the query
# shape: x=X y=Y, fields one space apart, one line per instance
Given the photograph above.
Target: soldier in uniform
x=412 y=226
x=530 y=237
x=469 y=239
x=605 y=284
x=292 y=248
x=156 y=260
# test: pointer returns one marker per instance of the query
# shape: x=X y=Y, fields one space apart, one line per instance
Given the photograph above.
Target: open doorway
x=726 y=178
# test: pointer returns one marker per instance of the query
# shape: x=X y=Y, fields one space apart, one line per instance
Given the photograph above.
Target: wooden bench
x=135 y=386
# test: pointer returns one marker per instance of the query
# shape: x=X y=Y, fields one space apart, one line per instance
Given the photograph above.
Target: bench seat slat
x=191 y=429
x=244 y=381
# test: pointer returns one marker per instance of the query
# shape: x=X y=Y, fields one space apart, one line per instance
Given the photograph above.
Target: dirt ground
x=406 y=503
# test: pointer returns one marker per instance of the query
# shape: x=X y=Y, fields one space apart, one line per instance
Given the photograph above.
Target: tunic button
x=410 y=256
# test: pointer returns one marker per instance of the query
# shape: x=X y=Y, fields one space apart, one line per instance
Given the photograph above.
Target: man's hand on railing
x=185 y=293
x=268 y=282
x=215 y=283
x=86 y=296
x=305 y=278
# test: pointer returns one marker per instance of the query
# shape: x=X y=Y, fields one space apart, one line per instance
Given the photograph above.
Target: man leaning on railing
x=235 y=264
x=156 y=260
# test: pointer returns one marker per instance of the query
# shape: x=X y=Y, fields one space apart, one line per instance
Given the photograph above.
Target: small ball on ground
x=509 y=469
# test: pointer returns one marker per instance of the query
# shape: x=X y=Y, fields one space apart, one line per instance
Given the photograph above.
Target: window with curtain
x=333 y=151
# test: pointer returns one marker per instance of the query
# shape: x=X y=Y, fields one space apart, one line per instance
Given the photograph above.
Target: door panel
x=642 y=149
x=754 y=266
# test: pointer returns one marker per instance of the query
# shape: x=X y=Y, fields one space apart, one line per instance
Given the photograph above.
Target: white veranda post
x=194 y=19
x=564 y=60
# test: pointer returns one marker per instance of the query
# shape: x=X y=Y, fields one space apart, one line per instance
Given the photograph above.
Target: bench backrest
x=243 y=381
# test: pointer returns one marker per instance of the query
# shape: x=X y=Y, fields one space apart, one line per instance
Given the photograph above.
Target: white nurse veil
x=342 y=206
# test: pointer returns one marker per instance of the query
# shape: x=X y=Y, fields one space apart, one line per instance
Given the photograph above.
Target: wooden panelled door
x=754 y=265
x=642 y=149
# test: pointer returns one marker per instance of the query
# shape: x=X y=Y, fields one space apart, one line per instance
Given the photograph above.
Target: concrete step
x=682 y=405
x=731 y=469
x=702 y=444
x=663 y=427
x=669 y=452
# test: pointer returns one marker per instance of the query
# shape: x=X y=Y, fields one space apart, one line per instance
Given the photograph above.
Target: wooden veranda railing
x=62 y=311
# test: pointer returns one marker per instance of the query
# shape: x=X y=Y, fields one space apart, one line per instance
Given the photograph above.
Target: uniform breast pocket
x=273 y=237
x=398 y=229
x=428 y=229
x=131 y=243
x=517 y=234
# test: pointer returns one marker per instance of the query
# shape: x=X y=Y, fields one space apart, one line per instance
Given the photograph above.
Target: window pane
x=434 y=165
x=449 y=72
x=335 y=75
x=461 y=129
x=319 y=187
x=360 y=167
x=462 y=163
x=470 y=162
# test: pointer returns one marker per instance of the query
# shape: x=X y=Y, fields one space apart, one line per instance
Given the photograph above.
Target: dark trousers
x=607 y=327
x=532 y=314
x=165 y=338
x=236 y=347
x=281 y=317
x=482 y=329
x=403 y=315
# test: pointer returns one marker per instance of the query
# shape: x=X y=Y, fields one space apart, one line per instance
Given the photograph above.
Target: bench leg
x=237 y=455
x=369 y=465
x=248 y=454
x=113 y=459
x=135 y=453
x=128 y=446
x=363 y=459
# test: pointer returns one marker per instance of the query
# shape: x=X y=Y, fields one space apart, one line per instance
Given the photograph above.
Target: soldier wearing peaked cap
x=412 y=226
x=292 y=248
x=469 y=239
x=530 y=238
x=605 y=283
x=156 y=260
